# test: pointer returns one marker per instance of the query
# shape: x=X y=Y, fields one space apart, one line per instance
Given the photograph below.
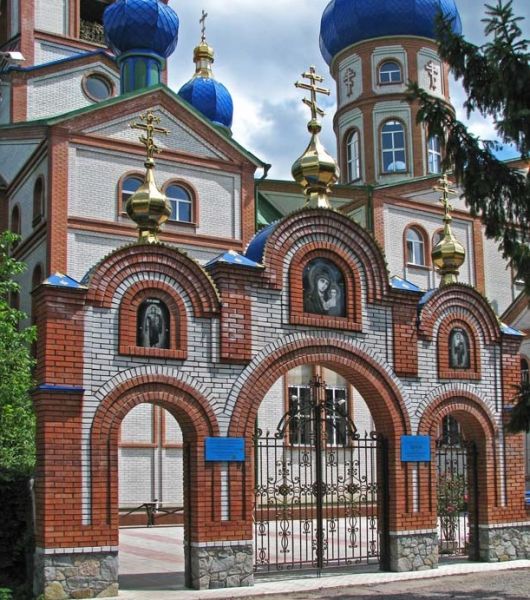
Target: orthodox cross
x=446 y=193
x=150 y=128
x=202 y=21
x=433 y=71
x=314 y=89
x=349 y=80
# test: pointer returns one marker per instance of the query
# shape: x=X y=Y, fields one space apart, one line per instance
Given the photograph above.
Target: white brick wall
x=52 y=16
x=180 y=138
x=62 y=92
x=46 y=52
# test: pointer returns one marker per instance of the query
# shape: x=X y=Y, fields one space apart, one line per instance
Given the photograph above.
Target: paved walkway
x=152 y=565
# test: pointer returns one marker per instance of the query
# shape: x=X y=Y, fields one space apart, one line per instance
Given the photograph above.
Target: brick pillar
x=404 y=317
x=65 y=563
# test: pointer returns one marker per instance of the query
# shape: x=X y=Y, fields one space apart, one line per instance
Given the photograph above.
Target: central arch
x=374 y=381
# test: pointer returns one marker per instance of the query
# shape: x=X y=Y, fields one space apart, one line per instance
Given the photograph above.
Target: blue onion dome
x=141 y=25
x=203 y=92
x=346 y=22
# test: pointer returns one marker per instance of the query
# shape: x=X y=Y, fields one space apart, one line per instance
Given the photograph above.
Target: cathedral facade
x=281 y=365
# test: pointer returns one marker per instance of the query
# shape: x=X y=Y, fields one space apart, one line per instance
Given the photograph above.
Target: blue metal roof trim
x=427 y=296
x=233 y=258
x=60 y=280
x=398 y=283
x=510 y=330
x=211 y=98
x=63 y=60
x=62 y=389
x=256 y=246
x=346 y=22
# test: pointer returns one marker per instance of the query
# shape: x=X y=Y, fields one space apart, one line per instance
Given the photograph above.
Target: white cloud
x=261 y=50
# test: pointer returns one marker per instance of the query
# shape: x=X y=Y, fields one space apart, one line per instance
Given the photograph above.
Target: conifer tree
x=496 y=79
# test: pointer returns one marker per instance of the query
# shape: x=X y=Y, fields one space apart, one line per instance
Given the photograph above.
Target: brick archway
x=479 y=427
x=197 y=421
x=371 y=379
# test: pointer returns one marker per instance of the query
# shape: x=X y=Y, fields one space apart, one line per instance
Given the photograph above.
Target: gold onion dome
x=448 y=255
x=316 y=171
x=148 y=207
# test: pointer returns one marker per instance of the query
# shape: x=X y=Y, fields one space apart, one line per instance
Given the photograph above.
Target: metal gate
x=320 y=494
x=456 y=462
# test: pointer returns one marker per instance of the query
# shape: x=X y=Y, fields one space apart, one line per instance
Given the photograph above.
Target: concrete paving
x=152 y=568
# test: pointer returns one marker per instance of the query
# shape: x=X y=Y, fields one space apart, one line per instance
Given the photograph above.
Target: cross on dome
x=202 y=21
x=314 y=89
x=150 y=127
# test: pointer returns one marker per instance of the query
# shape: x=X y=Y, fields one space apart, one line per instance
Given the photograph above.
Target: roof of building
x=346 y=22
x=256 y=246
x=233 y=258
x=150 y=94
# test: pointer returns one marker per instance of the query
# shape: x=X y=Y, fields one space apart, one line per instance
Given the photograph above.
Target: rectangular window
x=336 y=416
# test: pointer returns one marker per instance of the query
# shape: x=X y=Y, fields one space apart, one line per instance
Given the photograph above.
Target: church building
x=307 y=374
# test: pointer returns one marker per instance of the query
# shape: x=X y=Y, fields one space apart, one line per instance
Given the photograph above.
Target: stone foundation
x=64 y=576
x=413 y=551
x=221 y=566
x=504 y=543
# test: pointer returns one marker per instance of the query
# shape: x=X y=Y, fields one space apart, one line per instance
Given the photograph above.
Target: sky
x=261 y=49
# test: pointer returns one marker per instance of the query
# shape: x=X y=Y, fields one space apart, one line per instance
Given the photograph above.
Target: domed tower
x=142 y=34
x=202 y=91
x=373 y=49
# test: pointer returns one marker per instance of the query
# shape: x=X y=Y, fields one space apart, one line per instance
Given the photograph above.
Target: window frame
x=393 y=149
x=192 y=193
x=384 y=62
x=38 y=201
x=105 y=78
x=434 y=153
x=349 y=155
x=423 y=237
x=129 y=175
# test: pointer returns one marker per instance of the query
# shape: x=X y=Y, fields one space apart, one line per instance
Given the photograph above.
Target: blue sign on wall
x=221 y=449
x=415 y=448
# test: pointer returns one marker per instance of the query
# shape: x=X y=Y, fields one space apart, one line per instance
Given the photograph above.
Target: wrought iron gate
x=320 y=493
x=456 y=462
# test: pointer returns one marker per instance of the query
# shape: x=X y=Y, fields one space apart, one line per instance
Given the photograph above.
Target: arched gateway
x=234 y=329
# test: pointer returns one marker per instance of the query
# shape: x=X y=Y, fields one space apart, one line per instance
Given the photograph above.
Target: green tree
x=17 y=421
x=496 y=79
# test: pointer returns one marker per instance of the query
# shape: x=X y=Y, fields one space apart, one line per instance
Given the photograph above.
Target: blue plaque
x=224 y=449
x=415 y=448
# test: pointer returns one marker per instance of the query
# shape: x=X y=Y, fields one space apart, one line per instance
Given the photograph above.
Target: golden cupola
x=448 y=255
x=316 y=171
x=148 y=207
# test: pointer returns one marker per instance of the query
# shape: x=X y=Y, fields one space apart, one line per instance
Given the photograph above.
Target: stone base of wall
x=504 y=543
x=214 y=567
x=64 y=576
x=413 y=552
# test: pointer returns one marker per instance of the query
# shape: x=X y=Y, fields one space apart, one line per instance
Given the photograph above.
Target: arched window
x=15 y=224
x=324 y=291
x=393 y=147
x=129 y=185
x=437 y=237
x=181 y=203
x=37 y=276
x=353 y=155
x=153 y=324
x=459 y=349
x=390 y=72
x=434 y=155
x=38 y=201
x=14 y=300
x=525 y=376
x=415 y=247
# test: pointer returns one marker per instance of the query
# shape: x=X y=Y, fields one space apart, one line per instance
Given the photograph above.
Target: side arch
x=197 y=421
x=478 y=425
